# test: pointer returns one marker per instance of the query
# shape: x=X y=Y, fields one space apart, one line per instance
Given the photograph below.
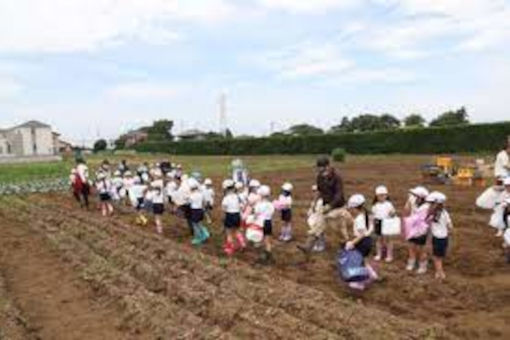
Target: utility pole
x=222 y=103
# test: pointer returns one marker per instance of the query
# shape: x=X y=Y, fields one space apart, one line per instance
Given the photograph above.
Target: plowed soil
x=72 y=274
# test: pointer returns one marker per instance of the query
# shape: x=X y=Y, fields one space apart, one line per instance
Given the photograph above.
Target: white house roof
x=32 y=124
x=192 y=132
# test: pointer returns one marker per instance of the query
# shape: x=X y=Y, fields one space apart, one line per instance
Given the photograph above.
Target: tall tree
x=304 y=130
x=161 y=130
x=389 y=122
x=344 y=126
x=100 y=145
x=414 y=120
x=459 y=117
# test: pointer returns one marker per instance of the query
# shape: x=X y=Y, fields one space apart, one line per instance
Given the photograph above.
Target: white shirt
x=104 y=186
x=118 y=182
x=502 y=161
x=83 y=172
x=264 y=210
x=171 y=188
x=128 y=182
x=136 y=191
x=440 y=228
x=360 y=227
x=231 y=203
x=208 y=195
x=253 y=199
x=286 y=201
x=157 y=195
x=196 y=200
x=383 y=210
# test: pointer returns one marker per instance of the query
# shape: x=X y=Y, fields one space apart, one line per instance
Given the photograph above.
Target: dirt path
x=50 y=297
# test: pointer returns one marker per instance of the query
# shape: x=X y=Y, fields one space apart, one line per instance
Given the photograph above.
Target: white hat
x=315 y=187
x=193 y=183
x=208 y=181
x=254 y=183
x=436 y=197
x=381 y=190
x=101 y=175
x=239 y=185
x=116 y=173
x=128 y=174
x=228 y=183
x=356 y=201
x=264 y=191
x=506 y=181
x=287 y=186
x=421 y=192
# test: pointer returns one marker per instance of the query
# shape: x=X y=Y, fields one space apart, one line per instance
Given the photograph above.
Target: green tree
x=449 y=118
x=414 y=120
x=304 y=130
x=366 y=122
x=229 y=134
x=160 y=130
x=388 y=121
x=344 y=126
x=100 y=145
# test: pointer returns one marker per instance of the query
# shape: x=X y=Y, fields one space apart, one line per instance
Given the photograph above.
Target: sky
x=100 y=68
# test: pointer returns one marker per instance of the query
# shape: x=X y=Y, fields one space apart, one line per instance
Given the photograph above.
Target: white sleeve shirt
x=360 y=228
x=286 y=201
x=231 y=204
x=502 y=162
x=440 y=228
x=264 y=210
x=196 y=200
x=383 y=210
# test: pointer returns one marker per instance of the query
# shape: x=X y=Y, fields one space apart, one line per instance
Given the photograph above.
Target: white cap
x=421 y=192
x=254 y=183
x=506 y=181
x=208 y=181
x=381 y=190
x=264 y=191
x=179 y=166
x=193 y=183
x=228 y=183
x=436 y=197
x=315 y=188
x=116 y=173
x=101 y=175
x=356 y=201
x=239 y=185
x=287 y=186
x=128 y=174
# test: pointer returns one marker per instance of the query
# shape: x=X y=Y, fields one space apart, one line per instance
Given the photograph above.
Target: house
x=30 y=139
x=192 y=134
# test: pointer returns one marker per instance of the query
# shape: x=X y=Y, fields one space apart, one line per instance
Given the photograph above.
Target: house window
x=9 y=148
x=1 y=150
x=35 y=148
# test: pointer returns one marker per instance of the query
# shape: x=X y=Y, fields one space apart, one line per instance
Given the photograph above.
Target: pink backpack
x=416 y=225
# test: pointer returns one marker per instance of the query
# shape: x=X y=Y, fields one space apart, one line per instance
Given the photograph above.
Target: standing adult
x=83 y=176
x=331 y=191
x=502 y=165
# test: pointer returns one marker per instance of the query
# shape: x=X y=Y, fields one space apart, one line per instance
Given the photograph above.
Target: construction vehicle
x=447 y=170
x=440 y=172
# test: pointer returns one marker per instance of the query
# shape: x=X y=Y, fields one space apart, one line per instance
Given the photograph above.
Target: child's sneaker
x=422 y=269
x=389 y=259
x=377 y=258
x=229 y=248
x=241 y=241
x=356 y=285
x=159 y=230
x=499 y=233
x=410 y=265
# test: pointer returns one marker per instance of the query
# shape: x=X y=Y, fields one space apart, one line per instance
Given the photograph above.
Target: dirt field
x=71 y=274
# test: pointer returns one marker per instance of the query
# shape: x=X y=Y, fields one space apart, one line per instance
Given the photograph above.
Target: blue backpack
x=350 y=266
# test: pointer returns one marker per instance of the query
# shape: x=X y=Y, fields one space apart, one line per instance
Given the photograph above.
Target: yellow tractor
x=447 y=170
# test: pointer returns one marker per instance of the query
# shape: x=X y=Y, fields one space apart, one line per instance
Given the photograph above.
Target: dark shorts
x=365 y=246
x=378 y=227
x=232 y=221
x=139 y=203
x=419 y=241
x=439 y=246
x=105 y=197
x=268 y=228
x=170 y=200
x=158 y=208
x=197 y=215
x=286 y=215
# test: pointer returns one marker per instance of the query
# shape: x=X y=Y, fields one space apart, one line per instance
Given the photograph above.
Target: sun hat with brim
x=264 y=191
x=228 y=183
x=381 y=190
x=287 y=186
x=356 y=201
x=420 y=192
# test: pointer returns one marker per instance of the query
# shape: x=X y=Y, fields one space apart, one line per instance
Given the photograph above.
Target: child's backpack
x=416 y=225
x=350 y=266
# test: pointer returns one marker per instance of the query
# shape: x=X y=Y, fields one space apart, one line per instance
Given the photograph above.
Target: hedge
x=467 y=138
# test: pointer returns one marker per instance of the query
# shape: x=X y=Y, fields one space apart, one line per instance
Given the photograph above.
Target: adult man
x=331 y=190
x=502 y=165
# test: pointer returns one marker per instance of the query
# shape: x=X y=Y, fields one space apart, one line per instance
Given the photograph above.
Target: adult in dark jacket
x=331 y=189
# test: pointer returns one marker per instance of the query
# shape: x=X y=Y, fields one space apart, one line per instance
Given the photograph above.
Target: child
x=231 y=206
x=208 y=192
x=181 y=200
x=170 y=189
x=441 y=225
x=506 y=235
x=253 y=199
x=362 y=230
x=285 y=205
x=137 y=192
x=316 y=223
x=117 y=185
x=157 y=198
x=196 y=199
x=417 y=208
x=104 y=187
x=83 y=176
x=497 y=220
x=382 y=209
x=128 y=183
x=264 y=211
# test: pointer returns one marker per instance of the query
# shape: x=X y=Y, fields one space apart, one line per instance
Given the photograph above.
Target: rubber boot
x=389 y=253
x=228 y=248
x=320 y=244
x=241 y=241
x=411 y=263
x=204 y=233
x=422 y=269
x=287 y=236
x=197 y=239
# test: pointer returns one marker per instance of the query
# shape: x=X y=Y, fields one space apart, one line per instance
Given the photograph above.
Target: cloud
x=144 y=90
x=308 y=6
x=306 y=60
x=80 y=25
